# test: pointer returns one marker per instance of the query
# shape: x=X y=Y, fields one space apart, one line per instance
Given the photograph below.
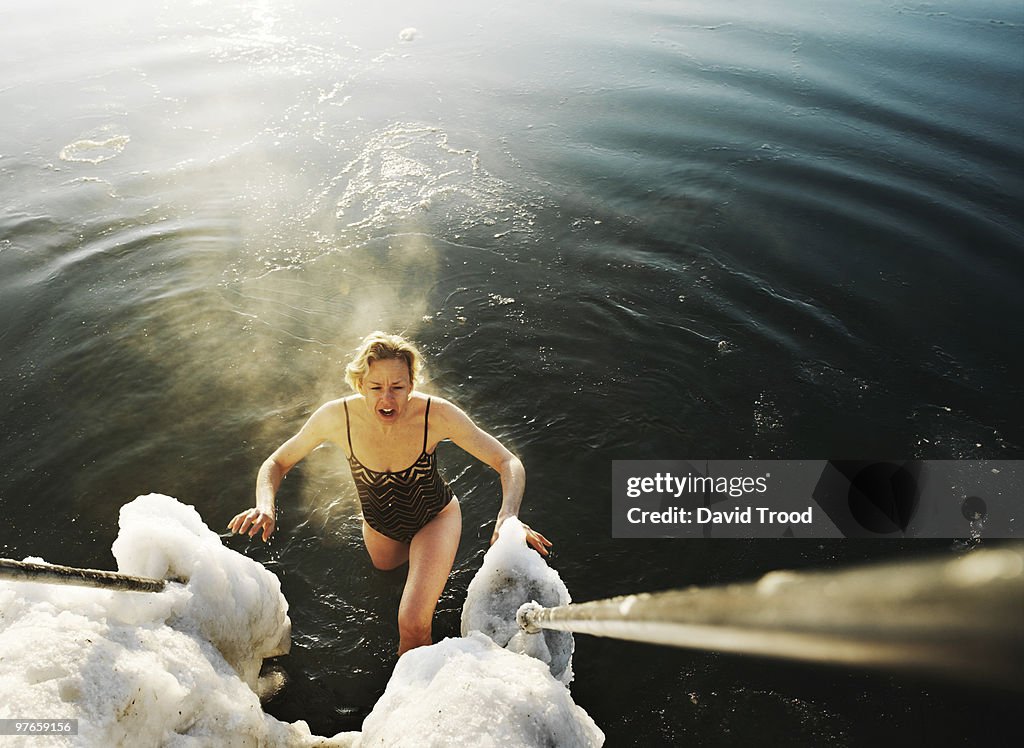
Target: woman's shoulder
x=336 y=409
x=340 y=403
x=438 y=404
x=444 y=412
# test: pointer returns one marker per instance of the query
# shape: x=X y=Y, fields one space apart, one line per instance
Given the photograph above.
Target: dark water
x=618 y=230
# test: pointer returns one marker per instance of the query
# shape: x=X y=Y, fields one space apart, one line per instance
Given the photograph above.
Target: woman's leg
x=431 y=555
x=385 y=553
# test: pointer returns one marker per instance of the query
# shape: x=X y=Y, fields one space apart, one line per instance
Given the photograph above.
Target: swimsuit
x=400 y=504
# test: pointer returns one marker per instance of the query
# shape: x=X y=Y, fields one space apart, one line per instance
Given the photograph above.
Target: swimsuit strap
x=426 y=421
x=348 y=430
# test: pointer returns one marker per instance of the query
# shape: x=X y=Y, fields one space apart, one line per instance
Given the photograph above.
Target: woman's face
x=387 y=389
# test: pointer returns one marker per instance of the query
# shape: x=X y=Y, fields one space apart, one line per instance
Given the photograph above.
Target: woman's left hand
x=536 y=541
x=533 y=538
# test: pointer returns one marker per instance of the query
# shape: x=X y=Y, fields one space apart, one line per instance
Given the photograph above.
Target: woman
x=389 y=432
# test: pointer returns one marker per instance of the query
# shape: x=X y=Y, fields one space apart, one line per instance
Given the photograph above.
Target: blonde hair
x=382 y=346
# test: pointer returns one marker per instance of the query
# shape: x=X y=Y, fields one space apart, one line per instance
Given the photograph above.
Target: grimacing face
x=386 y=389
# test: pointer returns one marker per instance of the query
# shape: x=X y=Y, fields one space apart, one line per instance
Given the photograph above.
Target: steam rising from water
x=299 y=289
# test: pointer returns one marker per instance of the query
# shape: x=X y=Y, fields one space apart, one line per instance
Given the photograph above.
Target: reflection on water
x=618 y=231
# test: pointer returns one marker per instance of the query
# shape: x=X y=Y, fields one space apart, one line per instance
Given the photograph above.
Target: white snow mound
x=512 y=574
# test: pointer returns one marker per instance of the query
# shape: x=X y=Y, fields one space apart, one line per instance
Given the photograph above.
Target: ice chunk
x=236 y=604
x=512 y=574
x=469 y=691
x=147 y=668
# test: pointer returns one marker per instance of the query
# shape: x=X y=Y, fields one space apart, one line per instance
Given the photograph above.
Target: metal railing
x=961 y=617
x=26 y=571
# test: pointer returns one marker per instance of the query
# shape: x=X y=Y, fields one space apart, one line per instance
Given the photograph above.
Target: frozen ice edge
x=179 y=668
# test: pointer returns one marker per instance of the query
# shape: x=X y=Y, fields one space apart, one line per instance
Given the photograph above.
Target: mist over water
x=619 y=231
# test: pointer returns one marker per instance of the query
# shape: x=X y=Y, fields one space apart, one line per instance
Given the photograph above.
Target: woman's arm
x=320 y=427
x=460 y=428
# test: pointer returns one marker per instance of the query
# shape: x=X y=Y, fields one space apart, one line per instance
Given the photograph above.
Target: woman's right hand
x=251 y=521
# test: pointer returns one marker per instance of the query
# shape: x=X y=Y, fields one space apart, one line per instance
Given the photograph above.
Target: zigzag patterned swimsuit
x=400 y=504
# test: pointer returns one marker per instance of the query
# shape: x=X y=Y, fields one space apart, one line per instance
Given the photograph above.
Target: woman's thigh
x=385 y=553
x=431 y=555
